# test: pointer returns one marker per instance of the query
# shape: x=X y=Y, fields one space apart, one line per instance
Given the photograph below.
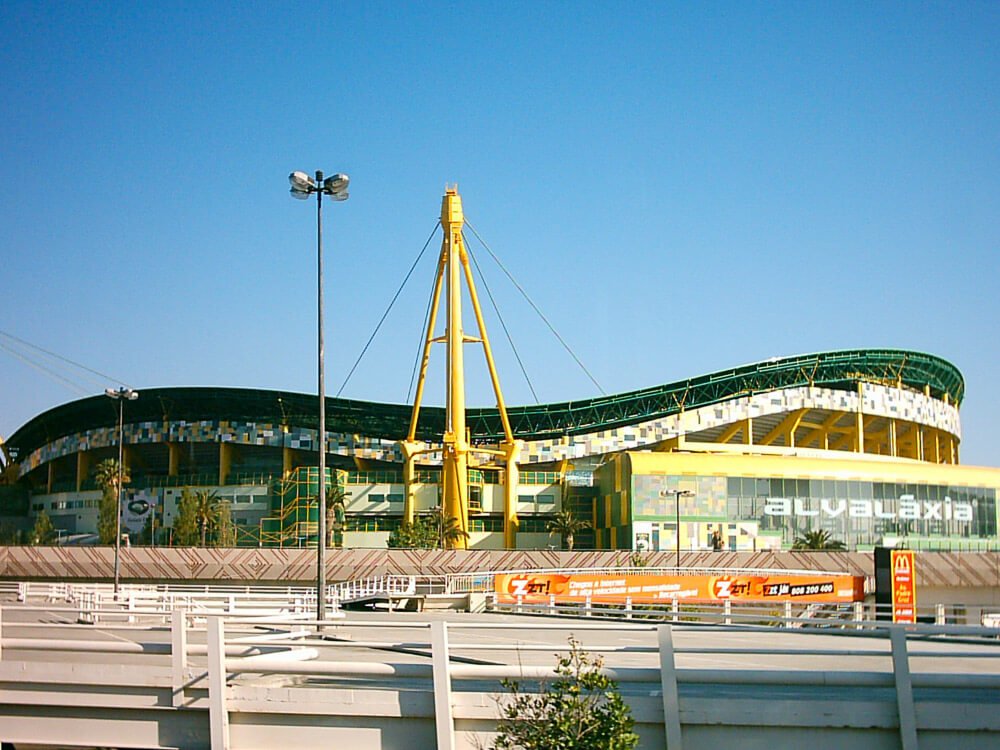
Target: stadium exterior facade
x=863 y=444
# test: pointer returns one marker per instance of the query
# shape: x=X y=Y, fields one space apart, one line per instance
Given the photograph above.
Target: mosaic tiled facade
x=875 y=400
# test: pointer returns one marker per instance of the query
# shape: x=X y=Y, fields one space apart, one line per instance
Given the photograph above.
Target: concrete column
x=442 y=686
x=82 y=468
x=174 y=451
x=178 y=654
x=225 y=461
x=218 y=712
x=668 y=687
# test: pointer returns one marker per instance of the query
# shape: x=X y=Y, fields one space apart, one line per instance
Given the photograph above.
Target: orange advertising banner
x=904 y=586
x=652 y=589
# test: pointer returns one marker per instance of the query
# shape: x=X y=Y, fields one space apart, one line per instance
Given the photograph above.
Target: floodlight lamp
x=301 y=182
x=302 y=195
x=111 y=393
x=132 y=395
x=336 y=184
x=339 y=196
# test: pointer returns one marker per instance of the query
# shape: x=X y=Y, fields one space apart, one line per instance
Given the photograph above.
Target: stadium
x=862 y=444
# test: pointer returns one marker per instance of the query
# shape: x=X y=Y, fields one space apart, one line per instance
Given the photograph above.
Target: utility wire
x=503 y=325
x=420 y=342
x=389 y=308
x=43 y=369
x=104 y=378
x=534 y=307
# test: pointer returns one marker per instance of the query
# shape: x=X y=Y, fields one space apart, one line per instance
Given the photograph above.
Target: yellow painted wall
x=808 y=467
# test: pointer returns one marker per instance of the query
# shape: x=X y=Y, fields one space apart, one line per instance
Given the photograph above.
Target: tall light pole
x=121 y=395
x=336 y=187
x=678 y=494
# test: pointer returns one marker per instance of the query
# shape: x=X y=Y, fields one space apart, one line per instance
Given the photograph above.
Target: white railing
x=855 y=615
x=97 y=602
x=226 y=684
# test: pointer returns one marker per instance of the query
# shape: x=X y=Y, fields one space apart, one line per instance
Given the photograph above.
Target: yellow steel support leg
x=456 y=447
x=511 y=451
x=452 y=264
x=409 y=479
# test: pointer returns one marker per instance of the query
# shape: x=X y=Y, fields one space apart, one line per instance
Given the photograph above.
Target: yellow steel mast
x=453 y=264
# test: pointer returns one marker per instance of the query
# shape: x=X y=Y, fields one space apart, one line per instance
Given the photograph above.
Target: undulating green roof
x=839 y=370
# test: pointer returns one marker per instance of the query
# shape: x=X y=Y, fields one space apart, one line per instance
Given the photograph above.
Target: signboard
x=137 y=507
x=657 y=589
x=904 y=586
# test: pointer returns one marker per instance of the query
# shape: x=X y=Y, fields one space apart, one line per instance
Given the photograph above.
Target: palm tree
x=451 y=530
x=205 y=511
x=433 y=530
x=567 y=525
x=817 y=539
x=336 y=515
x=106 y=476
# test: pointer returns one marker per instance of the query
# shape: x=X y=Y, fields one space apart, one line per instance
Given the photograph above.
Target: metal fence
x=233 y=682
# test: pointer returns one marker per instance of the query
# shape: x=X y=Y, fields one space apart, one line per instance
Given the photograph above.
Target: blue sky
x=680 y=188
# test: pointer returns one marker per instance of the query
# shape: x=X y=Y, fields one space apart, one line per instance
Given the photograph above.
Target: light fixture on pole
x=336 y=187
x=677 y=494
x=121 y=395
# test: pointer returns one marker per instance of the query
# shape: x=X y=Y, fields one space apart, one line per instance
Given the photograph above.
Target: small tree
x=224 y=526
x=106 y=476
x=150 y=528
x=44 y=530
x=567 y=525
x=205 y=512
x=417 y=535
x=817 y=539
x=431 y=531
x=186 y=520
x=580 y=710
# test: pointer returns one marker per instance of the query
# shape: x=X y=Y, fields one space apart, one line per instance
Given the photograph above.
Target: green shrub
x=579 y=710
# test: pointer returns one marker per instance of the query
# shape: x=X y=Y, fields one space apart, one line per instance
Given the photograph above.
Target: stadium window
x=475 y=497
x=373 y=498
x=546 y=499
x=396 y=498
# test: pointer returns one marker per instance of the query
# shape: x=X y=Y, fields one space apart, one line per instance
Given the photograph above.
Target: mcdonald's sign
x=904 y=586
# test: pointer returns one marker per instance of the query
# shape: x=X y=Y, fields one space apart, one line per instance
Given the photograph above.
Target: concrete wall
x=935 y=570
